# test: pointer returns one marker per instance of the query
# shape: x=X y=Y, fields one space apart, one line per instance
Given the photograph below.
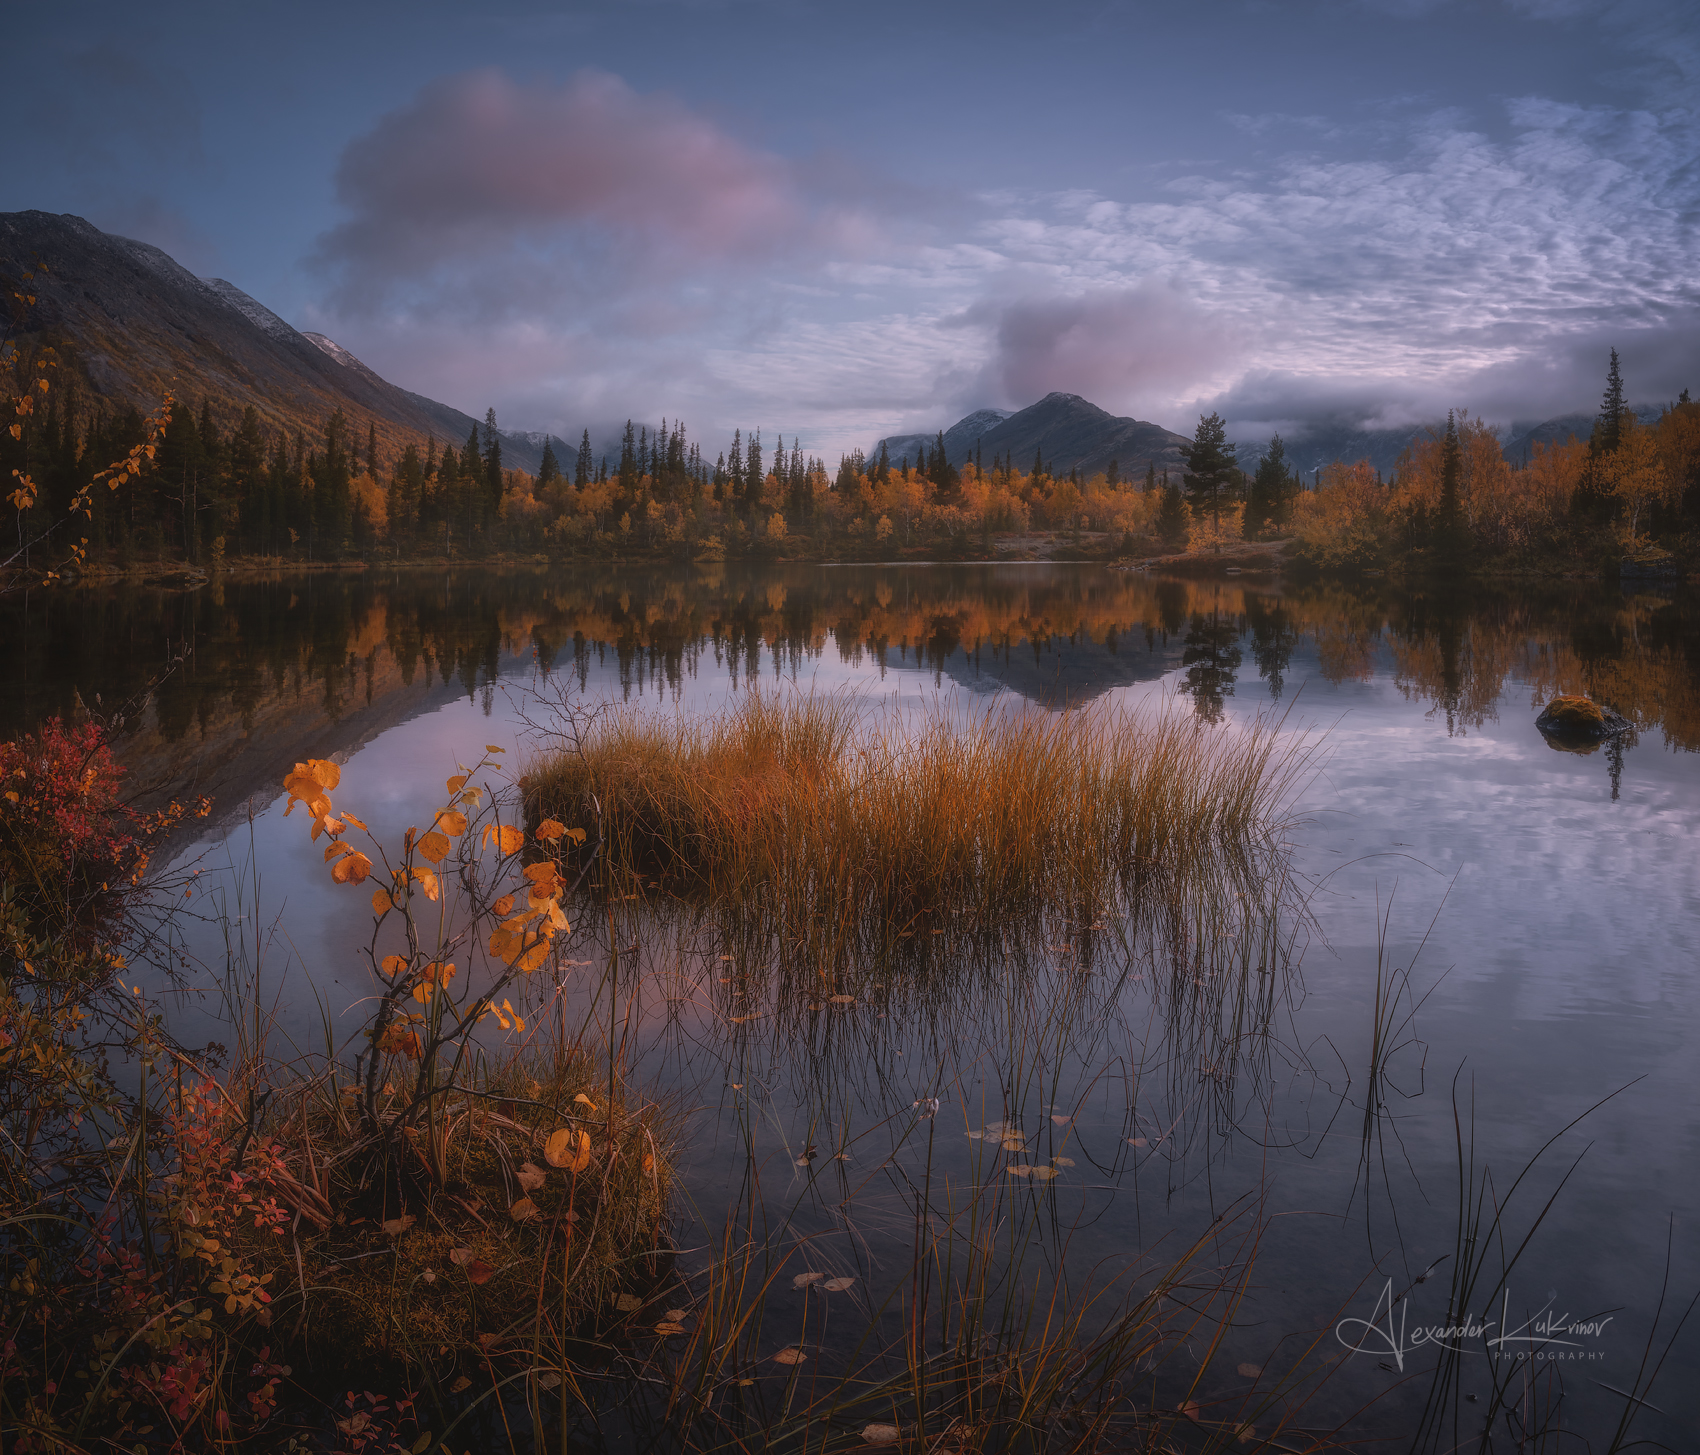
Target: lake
x=1542 y=902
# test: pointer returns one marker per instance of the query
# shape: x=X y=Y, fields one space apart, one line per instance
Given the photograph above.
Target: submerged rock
x=1579 y=719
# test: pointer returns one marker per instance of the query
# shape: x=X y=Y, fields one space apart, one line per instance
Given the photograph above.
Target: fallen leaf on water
x=1246 y=1434
x=843 y=1000
x=1044 y=1174
x=838 y=1285
x=1190 y=1409
x=1063 y=1161
x=396 y=1226
x=803 y=1280
x=881 y=1434
x=975 y=1136
x=667 y=1328
x=523 y=1209
x=745 y=1383
x=1016 y=1143
x=628 y=1303
x=462 y=1383
x=1136 y=1141
x=531 y=1176
x=1061 y=1121
x=548 y=1379
x=789 y=1356
x=1251 y=1371
x=676 y=1315
x=1019 y=1169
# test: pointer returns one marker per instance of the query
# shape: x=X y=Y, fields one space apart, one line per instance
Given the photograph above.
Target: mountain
x=132 y=322
x=1067 y=430
x=959 y=439
x=1308 y=450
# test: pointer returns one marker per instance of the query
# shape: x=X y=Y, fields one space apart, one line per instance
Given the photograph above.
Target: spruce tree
x=1268 y=493
x=1171 y=519
x=548 y=468
x=585 y=464
x=492 y=466
x=1450 y=537
x=1150 y=476
x=1608 y=429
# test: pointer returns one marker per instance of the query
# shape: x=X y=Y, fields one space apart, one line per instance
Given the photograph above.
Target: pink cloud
x=1116 y=346
x=479 y=169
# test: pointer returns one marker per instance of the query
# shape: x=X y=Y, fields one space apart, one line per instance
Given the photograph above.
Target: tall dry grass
x=836 y=836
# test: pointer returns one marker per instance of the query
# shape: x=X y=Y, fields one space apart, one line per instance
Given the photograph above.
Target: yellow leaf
x=432 y=847
x=356 y=822
x=568 y=1148
x=458 y=782
x=582 y=1100
x=492 y=748
x=522 y=1210
x=353 y=869
x=669 y=1328
x=394 y=965
x=334 y=848
x=427 y=882
x=504 y=905
x=451 y=823
x=381 y=902
x=510 y=840
x=550 y=830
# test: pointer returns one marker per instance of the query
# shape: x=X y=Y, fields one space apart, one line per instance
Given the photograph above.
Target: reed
x=838 y=838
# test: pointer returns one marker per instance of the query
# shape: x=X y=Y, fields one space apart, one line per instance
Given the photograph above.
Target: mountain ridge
x=135 y=323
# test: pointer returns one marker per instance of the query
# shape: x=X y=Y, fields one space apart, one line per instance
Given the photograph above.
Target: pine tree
x=548 y=468
x=1171 y=519
x=1608 y=429
x=586 y=464
x=1112 y=475
x=1450 y=535
x=1150 y=476
x=1269 y=492
x=1211 y=476
x=492 y=466
x=372 y=449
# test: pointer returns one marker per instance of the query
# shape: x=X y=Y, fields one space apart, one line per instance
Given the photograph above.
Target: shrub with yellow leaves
x=459 y=893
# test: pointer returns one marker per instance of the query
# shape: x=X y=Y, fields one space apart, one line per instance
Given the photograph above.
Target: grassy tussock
x=797 y=816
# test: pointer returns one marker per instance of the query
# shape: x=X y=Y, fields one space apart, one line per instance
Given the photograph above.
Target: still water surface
x=1557 y=892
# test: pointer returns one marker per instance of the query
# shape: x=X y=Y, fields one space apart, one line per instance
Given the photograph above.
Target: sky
x=845 y=221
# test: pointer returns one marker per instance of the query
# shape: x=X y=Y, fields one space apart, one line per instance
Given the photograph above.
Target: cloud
x=489 y=196
x=1111 y=345
x=581 y=251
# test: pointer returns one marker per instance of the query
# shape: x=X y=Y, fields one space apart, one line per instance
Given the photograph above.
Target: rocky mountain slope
x=131 y=323
x=1067 y=430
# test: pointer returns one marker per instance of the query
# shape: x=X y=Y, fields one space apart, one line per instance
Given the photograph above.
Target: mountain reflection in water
x=281 y=667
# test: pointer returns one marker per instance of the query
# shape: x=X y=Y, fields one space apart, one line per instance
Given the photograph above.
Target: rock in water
x=1579 y=717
